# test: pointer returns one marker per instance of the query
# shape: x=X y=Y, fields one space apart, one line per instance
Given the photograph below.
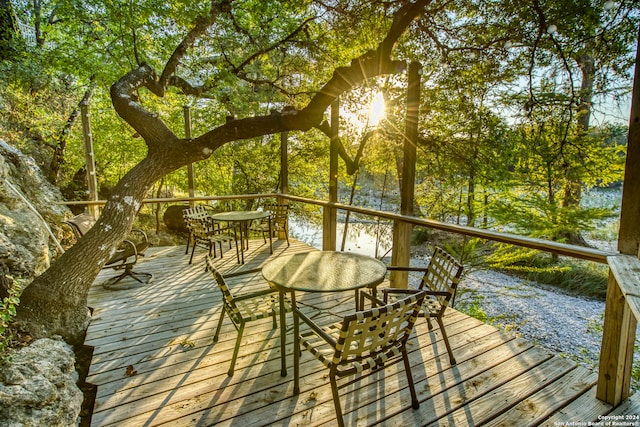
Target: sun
x=376 y=109
x=364 y=111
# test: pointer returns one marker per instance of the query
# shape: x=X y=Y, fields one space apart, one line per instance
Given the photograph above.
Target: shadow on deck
x=154 y=363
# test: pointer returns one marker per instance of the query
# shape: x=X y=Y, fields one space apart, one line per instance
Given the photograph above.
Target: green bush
x=8 y=307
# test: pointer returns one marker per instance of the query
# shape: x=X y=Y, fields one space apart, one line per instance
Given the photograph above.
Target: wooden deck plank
x=485 y=407
x=385 y=395
x=536 y=408
x=584 y=409
x=164 y=332
x=243 y=360
x=627 y=412
x=255 y=384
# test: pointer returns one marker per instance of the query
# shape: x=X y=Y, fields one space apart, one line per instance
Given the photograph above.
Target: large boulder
x=173 y=218
x=38 y=386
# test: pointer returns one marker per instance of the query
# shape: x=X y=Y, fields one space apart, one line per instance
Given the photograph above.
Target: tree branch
x=202 y=25
x=237 y=70
x=151 y=128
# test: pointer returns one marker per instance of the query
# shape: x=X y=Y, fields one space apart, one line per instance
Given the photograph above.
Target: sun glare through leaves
x=376 y=109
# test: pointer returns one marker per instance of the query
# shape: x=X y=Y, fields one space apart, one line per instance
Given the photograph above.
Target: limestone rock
x=26 y=247
x=38 y=386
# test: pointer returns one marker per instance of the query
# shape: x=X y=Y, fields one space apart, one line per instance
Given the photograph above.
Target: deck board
x=154 y=362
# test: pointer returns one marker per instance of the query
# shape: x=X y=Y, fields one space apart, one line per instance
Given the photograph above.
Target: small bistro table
x=318 y=271
x=244 y=218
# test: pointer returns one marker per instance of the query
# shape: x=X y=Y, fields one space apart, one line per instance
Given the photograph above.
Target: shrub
x=8 y=306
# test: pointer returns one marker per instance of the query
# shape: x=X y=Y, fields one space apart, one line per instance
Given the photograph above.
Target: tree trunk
x=573 y=187
x=60 y=148
x=56 y=302
x=8 y=33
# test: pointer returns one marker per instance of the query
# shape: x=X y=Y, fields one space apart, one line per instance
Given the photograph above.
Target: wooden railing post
x=622 y=305
x=330 y=214
x=284 y=177
x=92 y=181
x=401 y=254
x=187 y=134
x=616 y=353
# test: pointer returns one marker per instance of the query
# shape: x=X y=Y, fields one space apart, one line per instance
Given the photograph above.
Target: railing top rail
x=176 y=199
x=514 y=239
x=540 y=244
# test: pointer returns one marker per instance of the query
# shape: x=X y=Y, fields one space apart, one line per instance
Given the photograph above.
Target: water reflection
x=368 y=238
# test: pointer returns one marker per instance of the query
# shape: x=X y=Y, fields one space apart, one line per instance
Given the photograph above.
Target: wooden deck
x=154 y=363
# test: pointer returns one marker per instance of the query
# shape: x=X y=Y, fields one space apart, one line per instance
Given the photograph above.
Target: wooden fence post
x=618 y=335
x=616 y=352
x=330 y=214
x=92 y=182
x=187 y=135
x=284 y=177
x=401 y=254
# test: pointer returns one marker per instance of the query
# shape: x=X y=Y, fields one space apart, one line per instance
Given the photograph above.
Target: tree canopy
x=492 y=72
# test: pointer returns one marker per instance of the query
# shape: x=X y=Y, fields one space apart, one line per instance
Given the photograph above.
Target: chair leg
x=141 y=276
x=415 y=404
x=336 y=399
x=237 y=252
x=429 y=321
x=235 y=350
x=186 y=251
x=452 y=359
x=217 y=334
x=193 y=250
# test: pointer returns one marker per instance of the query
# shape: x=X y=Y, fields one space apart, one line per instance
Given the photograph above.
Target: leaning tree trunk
x=56 y=302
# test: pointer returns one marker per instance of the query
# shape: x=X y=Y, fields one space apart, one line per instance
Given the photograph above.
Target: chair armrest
x=142 y=233
x=126 y=250
x=413 y=291
x=217 y=226
x=317 y=329
x=242 y=273
x=400 y=268
x=254 y=294
x=373 y=298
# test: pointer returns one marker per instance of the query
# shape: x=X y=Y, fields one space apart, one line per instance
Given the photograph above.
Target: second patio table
x=244 y=218
x=318 y=271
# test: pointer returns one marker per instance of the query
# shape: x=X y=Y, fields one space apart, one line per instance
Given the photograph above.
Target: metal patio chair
x=244 y=308
x=279 y=221
x=365 y=340
x=126 y=255
x=207 y=233
x=440 y=281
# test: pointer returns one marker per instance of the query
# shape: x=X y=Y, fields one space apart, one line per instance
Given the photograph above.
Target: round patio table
x=243 y=218
x=318 y=271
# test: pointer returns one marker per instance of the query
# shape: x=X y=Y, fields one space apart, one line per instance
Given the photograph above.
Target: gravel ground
x=560 y=322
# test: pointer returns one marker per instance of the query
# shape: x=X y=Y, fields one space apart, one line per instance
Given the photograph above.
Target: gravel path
x=560 y=322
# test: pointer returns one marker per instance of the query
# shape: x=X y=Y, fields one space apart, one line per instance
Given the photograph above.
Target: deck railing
x=622 y=306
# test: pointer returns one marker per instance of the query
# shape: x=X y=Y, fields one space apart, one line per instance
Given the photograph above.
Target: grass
x=584 y=278
x=470 y=303
x=578 y=277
